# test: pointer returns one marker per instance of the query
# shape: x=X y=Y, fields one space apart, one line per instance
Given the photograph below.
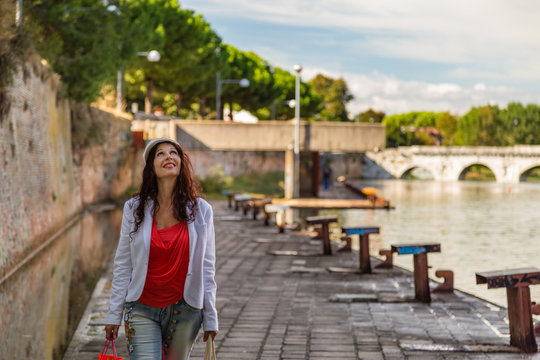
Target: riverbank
x=278 y=307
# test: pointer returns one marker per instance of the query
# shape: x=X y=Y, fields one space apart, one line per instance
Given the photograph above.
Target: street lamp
x=152 y=56
x=19 y=13
x=109 y=7
x=296 y=189
x=242 y=82
x=291 y=103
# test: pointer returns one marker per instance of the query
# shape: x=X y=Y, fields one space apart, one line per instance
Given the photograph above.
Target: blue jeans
x=152 y=332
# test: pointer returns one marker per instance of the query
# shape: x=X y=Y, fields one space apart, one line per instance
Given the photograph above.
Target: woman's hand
x=111 y=332
x=209 y=333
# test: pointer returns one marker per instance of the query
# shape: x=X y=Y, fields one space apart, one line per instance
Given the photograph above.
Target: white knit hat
x=153 y=143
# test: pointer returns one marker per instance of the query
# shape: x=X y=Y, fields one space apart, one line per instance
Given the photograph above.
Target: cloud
x=392 y=95
x=399 y=56
x=503 y=36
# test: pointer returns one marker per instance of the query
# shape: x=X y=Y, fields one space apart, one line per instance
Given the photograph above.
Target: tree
x=285 y=88
x=370 y=116
x=521 y=123
x=420 y=128
x=81 y=45
x=479 y=127
x=189 y=54
x=447 y=125
x=334 y=96
x=85 y=43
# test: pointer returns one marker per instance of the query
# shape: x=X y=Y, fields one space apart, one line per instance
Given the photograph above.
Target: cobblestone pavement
x=278 y=307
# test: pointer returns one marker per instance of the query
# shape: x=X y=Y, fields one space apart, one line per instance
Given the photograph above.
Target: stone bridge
x=451 y=163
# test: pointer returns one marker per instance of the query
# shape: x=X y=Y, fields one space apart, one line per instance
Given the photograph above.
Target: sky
x=396 y=56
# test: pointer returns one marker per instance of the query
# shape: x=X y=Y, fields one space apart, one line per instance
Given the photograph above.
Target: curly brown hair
x=185 y=192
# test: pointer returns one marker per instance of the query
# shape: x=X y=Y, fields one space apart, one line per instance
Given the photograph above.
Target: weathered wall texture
x=342 y=164
x=267 y=135
x=41 y=305
x=52 y=165
x=235 y=163
x=7 y=23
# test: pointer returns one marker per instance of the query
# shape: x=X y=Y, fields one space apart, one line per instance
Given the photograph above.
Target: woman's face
x=167 y=161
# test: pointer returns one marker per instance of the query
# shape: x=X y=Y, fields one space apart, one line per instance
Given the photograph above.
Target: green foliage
x=86 y=43
x=267 y=183
x=479 y=127
x=261 y=91
x=532 y=175
x=447 y=125
x=479 y=173
x=370 y=116
x=420 y=128
x=400 y=129
x=285 y=88
x=189 y=56
x=490 y=126
x=486 y=125
x=79 y=41
x=334 y=96
x=522 y=123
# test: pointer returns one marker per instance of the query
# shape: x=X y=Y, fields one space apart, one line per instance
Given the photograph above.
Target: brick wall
x=55 y=157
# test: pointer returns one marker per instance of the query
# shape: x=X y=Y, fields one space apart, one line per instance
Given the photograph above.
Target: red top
x=167 y=265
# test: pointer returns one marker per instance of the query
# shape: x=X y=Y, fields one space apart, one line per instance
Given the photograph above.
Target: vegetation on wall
x=14 y=49
x=267 y=183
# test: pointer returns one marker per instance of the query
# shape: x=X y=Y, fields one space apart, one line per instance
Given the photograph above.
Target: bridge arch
x=480 y=168
x=417 y=172
x=451 y=163
x=530 y=174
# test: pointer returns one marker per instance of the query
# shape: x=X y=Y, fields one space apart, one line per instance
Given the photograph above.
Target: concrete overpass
x=451 y=163
x=267 y=135
x=315 y=137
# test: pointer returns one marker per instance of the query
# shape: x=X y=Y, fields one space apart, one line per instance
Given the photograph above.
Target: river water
x=481 y=226
x=42 y=303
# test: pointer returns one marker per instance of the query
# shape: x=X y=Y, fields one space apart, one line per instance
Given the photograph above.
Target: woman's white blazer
x=131 y=263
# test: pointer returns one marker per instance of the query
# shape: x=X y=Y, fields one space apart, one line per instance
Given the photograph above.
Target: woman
x=165 y=262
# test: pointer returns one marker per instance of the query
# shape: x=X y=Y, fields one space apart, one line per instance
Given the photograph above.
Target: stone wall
x=235 y=163
x=55 y=158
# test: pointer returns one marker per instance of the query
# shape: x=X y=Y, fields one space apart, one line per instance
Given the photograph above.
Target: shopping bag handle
x=106 y=347
x=210 y=353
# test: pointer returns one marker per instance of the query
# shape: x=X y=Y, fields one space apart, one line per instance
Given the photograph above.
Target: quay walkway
x=278 y=307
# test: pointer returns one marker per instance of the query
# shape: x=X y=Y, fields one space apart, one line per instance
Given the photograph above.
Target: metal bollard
x=448 y=284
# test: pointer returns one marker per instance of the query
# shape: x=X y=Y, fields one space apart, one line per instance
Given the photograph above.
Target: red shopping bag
x=104 y=356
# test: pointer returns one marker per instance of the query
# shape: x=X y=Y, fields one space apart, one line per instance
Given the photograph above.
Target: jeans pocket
x=129 y=304
x=189 y=307
x=128 y=311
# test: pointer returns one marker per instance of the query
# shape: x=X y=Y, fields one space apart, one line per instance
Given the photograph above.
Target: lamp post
x=19 y=13
x=152 y=56
x=109 y=7
x=291 y=103
x=242 y=82
x=296 y=189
